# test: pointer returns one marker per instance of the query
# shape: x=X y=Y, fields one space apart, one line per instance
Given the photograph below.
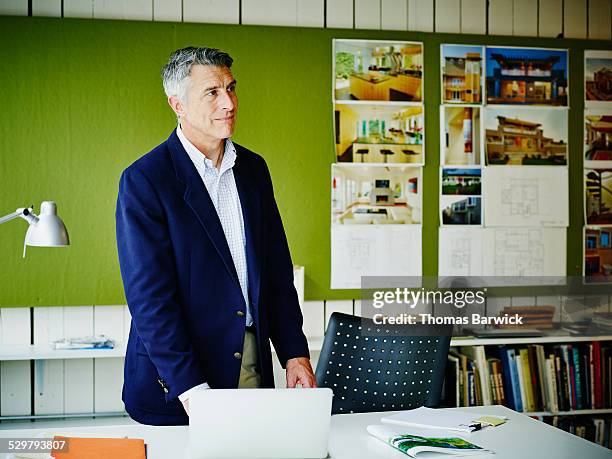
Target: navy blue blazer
x=188 y=311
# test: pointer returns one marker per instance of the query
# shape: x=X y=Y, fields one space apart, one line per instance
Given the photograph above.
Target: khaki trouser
x=249 y=378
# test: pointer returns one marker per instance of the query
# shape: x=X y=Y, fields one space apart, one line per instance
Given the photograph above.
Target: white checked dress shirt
x=221 y=186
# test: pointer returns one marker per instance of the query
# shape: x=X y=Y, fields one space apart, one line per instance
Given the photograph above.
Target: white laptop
x=259 y=423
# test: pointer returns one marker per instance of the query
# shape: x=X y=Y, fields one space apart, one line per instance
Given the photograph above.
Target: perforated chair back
x=378 y=368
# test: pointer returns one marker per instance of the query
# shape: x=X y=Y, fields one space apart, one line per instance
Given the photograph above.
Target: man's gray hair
x=178 y=68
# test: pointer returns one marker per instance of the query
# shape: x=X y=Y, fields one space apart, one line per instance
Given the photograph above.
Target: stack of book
x=532 y=378
x=539 y=317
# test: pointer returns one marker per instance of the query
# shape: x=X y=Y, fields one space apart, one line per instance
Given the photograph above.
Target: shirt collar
x=201 y=161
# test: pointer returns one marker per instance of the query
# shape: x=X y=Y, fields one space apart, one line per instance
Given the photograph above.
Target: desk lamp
x=45 y=230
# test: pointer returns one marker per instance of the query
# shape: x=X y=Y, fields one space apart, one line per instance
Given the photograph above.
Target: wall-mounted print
x=364 y=195
x=597 y=255
x=461 y=181
x=527 y=76
x=598 y=138
x=598 y=79
x=375 y=133
x=461 y=210
x=378 y=70
x=461 y=69
x=460 y=136
x=525 y=136
x=598 y=196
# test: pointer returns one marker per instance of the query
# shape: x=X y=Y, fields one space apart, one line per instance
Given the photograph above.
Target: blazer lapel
x=197 y=197
x=251 y=213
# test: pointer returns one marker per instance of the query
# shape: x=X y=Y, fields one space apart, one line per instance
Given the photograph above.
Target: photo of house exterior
x=526 y=76
x=597 y=255
x=598 y=76
x=461 y=211
x=461 y=74
x=598 y=196
x=598 y=139
x=461 y=181
x=526 y=137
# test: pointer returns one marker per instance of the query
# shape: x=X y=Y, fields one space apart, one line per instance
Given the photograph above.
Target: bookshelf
x=563 y=380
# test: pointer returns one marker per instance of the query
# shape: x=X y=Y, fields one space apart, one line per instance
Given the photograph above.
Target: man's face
x=211 y=103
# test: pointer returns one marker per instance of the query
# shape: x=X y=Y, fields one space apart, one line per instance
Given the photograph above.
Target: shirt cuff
x=185 y=395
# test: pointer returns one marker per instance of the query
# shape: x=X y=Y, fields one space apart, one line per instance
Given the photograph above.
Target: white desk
x=521 y=437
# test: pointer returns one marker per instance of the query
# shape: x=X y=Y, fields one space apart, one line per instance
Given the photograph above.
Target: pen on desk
x=475 y=426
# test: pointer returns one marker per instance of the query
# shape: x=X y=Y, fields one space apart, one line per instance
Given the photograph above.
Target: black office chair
x=378 y=368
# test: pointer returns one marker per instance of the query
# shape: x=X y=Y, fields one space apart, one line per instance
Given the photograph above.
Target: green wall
x=82 y=99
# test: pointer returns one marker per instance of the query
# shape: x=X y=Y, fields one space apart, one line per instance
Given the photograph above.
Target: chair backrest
x=374 y=367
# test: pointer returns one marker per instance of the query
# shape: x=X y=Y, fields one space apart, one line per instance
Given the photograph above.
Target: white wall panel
x=448 y=16
x=600 y=15
x=168 y=10
x=78 y=373
x=500 y=17
x=78 y=8
x=269 y=12
x=525 y=18
x=108 y=9
x=311 y=13
x=340 y=14
x=367 y=14
x=141 y=10
x=109 y=321
x=15 y=385
x=344 y=306
x=421 y=15
x=213 y=11
x=394 y=15
x=47 y=8
x=49 y=387
x=550 y=18
x=14 y=8
x=575 y=18
x=78 y=386
x=314 y=318
x=474 y=16
x=108 y=382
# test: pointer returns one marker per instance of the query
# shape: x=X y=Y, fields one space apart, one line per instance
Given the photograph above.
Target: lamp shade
x=48 y=230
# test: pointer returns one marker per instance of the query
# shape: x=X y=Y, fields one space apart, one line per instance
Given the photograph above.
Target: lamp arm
x=25 y=213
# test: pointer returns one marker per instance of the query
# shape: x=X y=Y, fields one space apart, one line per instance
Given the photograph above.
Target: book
x=527 y=383
x=477 y=354
x=412 y=444
x=98 y=448
x=516 y=386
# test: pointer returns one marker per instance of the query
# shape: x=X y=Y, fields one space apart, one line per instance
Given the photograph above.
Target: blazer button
x=240 y=313
x=237 y=355
x=165 y=390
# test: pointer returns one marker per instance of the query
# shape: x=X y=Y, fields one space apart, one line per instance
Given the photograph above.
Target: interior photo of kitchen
x=378 y=70
x=597 y=255
x=525 y=136
x=526 y=76
x=460 y=136
x=376 y=133
x=375 y=195
x=462 y=74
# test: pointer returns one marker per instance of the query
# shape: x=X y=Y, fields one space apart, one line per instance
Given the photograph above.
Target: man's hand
x=299 y=371
x=186 y=406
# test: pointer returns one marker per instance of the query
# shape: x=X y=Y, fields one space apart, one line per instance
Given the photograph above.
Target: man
x=204 y=258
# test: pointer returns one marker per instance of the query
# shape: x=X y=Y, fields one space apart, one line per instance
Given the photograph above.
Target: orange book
x=101 y=448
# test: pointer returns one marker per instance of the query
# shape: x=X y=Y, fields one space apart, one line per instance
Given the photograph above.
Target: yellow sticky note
x=491 y=420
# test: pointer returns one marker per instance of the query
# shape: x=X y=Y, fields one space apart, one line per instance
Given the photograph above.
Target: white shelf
x=44 y=352
x=568 y=413
x=316 y=343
